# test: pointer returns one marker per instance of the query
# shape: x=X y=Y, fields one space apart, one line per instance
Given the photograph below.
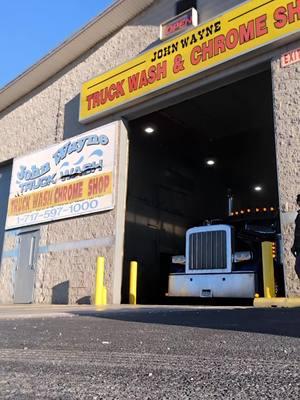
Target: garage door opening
x=206 y=161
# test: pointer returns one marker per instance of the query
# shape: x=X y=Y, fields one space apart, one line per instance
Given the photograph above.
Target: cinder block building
x=143 y=124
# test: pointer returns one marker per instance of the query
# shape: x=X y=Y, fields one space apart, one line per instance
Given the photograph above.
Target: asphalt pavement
x=149 y=353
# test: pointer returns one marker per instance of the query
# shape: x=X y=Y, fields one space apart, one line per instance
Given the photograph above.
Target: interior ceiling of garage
x=233 y=124
x=220 y=113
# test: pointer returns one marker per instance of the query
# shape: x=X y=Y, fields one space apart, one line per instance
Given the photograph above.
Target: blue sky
x=29 y=29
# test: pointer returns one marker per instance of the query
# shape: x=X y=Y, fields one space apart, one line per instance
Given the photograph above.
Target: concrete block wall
x=67 y=253
x=286 y=90
x=47 y=115
x=8 y=267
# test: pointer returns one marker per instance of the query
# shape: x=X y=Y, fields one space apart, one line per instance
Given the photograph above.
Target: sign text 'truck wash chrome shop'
x=65 y=180
x=245 y=28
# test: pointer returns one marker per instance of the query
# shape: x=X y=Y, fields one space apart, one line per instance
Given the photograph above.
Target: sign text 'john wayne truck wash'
x=250 y=26
x=68 y=179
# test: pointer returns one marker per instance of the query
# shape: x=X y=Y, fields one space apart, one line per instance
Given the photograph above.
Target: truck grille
x=207 y=250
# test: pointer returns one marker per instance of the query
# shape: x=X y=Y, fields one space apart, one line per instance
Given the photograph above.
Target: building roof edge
x=111 y=19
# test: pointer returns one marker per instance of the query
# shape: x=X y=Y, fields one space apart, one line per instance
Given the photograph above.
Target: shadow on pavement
x=282 y=322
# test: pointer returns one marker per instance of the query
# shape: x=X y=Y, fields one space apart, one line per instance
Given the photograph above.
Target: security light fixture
x=258 y=188
x=149 y=129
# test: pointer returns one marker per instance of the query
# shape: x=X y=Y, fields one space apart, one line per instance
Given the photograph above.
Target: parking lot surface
x=149 y=353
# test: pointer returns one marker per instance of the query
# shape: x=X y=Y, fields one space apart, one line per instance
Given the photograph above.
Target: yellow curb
x=263 y=302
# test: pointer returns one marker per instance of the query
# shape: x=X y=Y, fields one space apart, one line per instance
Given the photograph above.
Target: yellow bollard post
x=133 y=282
x=104 y=296
x=99 y=281
x=268 y=270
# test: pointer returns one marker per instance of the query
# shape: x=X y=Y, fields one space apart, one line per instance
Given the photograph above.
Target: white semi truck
x=225 y=260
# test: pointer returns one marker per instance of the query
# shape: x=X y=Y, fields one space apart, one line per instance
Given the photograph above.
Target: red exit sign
x=291 y=57
x=179 y=23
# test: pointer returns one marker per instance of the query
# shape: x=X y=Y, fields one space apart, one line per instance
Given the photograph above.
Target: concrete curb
x=289 y=302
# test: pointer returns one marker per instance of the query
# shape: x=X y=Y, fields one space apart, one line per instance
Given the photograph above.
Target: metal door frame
x=23 y=231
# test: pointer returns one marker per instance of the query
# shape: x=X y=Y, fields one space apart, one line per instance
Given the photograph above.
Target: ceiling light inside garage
x=210 y=162
x=149 y=129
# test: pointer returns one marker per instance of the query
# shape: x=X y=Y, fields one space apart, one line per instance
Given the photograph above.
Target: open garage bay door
x=194 y=162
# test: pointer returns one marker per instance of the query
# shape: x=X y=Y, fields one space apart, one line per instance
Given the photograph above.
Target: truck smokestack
x=230 y=202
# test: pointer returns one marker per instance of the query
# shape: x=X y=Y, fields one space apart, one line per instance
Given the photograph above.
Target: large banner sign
x=71 y=178
x=251 y=25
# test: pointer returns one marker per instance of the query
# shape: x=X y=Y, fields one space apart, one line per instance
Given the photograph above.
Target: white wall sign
x=68 y=179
